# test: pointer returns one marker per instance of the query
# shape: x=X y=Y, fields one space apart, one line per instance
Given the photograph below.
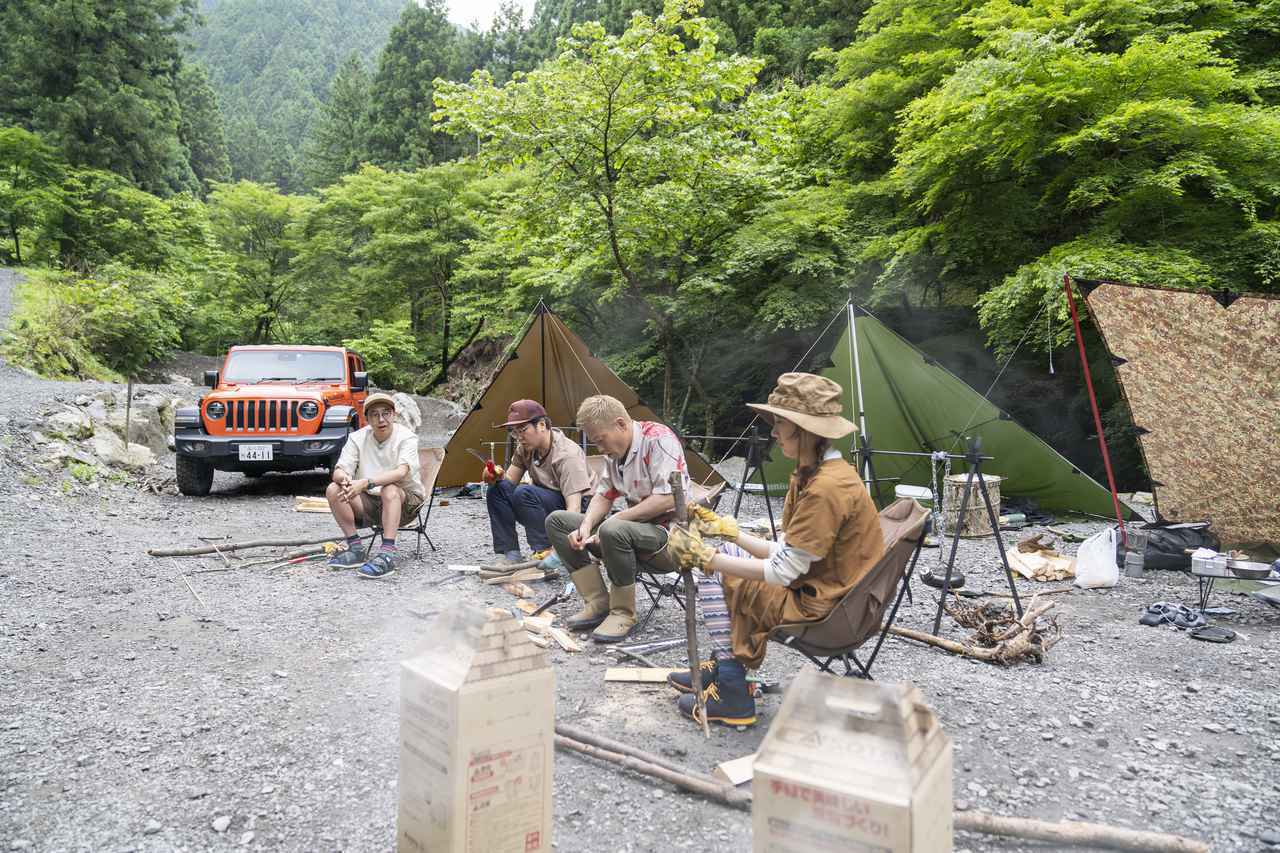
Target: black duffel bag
x=1167 y=544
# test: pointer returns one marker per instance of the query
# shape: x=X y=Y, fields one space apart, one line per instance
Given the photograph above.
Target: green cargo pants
x=624 y=545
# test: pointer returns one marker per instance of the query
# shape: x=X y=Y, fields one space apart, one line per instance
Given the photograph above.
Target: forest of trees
x=677 y=178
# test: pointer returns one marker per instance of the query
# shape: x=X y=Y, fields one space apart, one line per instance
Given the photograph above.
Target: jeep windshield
x=246 y=367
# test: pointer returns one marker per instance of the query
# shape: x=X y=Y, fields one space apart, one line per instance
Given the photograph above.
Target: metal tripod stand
x=757 y=453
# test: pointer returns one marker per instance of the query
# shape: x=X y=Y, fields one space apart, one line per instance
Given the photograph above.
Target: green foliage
x=245 y=302
x=988 y=143
x=336 y=144
x=96 y=78
x=272 y=63
x=630 y=134
x=422 y=47
x=30 y=195
x=81 y=472
x=390 y=354
x=200 y=128
x=95 y=327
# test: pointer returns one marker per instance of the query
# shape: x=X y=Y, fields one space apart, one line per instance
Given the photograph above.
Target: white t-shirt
x=363 y=457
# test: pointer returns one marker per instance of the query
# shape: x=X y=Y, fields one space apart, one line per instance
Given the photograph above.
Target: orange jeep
x=272 y=408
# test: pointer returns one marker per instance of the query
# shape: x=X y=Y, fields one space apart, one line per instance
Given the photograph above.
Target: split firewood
x=537 y=639
x=639 y=675
x=522 y=575
x=519 y=590
x=508 y=568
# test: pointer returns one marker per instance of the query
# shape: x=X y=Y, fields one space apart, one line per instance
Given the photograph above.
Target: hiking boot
x=622 y=615
x=510 y=558
x=728 y=699
x=681 y=680
x=348 y=558
x=381 y=565
x=595 y=607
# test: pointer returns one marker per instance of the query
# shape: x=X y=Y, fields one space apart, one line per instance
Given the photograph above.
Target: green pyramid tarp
x=914 y=404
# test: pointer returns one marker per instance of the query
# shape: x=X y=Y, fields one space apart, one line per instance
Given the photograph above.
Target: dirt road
x=259 y=709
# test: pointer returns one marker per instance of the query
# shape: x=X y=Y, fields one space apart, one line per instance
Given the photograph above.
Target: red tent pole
x=1093 y=403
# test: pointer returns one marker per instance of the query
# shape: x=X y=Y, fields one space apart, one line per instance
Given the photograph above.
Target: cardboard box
x=477 y=739
x=851 y=765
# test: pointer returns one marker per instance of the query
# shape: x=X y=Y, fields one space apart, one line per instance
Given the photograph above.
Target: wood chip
x=737 y=770
x=519 y=590
x=538 y=640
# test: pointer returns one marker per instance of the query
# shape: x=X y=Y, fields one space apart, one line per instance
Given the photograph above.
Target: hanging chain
x=939 y=456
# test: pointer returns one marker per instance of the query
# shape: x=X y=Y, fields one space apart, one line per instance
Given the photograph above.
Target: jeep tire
x=194 y=477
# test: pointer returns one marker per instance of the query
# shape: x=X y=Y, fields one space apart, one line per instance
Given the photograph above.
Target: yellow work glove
x=688 y=550
x=707 y=523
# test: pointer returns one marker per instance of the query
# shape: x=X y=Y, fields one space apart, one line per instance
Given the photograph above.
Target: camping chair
x=860 y=614
x=656 y=580
x=429 y=461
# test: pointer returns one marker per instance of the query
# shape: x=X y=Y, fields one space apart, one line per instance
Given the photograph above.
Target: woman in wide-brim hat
x=830 y=538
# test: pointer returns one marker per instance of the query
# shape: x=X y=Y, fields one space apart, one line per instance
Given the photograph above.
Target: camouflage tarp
x=552 y=365
x=1201 y=373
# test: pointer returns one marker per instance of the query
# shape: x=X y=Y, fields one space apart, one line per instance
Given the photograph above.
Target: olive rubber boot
x=622 y=615
x=595 y=607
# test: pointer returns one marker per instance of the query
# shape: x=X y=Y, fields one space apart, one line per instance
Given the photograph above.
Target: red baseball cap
x=523 y=411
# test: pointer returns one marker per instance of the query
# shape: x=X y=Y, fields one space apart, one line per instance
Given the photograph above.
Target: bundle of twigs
x=999 y=635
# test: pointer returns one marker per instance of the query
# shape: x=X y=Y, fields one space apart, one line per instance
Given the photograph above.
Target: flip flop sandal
x=1190 y=619
x=1213 y=634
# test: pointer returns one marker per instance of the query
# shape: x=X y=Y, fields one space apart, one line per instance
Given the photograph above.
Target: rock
x=152 y=827
x=221 y=823
x=1193 y=688
x=1271 y=836
x=111 y=450
x=246 y=838
x=70 y=424
x=407 y=412
x=19 y=844
x=1213 y=727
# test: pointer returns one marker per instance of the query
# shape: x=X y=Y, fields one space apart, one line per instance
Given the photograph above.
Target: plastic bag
x=1096 y=561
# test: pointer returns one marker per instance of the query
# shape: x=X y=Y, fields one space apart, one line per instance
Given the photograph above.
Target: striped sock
x=388 y=544
x=353 y=540
x=715 y=613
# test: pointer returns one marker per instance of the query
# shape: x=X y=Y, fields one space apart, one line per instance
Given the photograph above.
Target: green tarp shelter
x=912 y=403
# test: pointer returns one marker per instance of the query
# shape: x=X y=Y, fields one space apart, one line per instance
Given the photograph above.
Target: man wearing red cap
x=561 y=479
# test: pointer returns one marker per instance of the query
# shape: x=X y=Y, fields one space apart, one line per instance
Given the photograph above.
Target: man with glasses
x=561 y=479
x=377 y=478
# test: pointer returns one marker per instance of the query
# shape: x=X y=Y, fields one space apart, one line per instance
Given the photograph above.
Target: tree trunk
x=128 y=412
x=668 y=356
x=444 y=370
x=17 y=246
x=444 y=330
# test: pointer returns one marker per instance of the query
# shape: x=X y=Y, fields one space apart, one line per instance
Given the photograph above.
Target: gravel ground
x=258 y=709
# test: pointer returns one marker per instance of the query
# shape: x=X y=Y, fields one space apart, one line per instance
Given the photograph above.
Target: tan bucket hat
x=813 y=403
x=378 y=398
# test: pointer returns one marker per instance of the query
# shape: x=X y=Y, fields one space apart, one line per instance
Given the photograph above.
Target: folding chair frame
x=419 y=527
x=658 y=587
x=852 y=665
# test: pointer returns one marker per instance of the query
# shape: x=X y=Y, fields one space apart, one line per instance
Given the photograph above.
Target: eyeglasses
x=520 y=429
x=381 y=415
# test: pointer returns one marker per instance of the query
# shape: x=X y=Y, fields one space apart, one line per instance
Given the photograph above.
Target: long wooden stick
x=690 y=610
x=234 y=546
x=1075 y=833
x=1078 y=833
x=718 y=791
x=603 y=742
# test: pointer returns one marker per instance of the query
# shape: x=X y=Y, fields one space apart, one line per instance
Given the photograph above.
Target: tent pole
x=542 y=342
x=1093 y=402
x=855 y=374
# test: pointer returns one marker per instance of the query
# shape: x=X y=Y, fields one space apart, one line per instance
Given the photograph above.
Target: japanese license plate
x=255 y=453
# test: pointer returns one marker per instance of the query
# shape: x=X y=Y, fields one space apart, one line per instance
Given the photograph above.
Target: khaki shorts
x=371 y=509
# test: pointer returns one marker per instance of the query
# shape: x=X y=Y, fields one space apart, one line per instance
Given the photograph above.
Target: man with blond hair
x=641 y=456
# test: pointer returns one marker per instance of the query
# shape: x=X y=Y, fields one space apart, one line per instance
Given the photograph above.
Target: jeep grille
x=262 y=415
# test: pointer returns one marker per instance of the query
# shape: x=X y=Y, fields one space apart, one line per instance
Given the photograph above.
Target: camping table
x=1206 y=575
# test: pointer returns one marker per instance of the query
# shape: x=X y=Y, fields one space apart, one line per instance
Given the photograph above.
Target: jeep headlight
x=215 y=411
x=308 y=410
